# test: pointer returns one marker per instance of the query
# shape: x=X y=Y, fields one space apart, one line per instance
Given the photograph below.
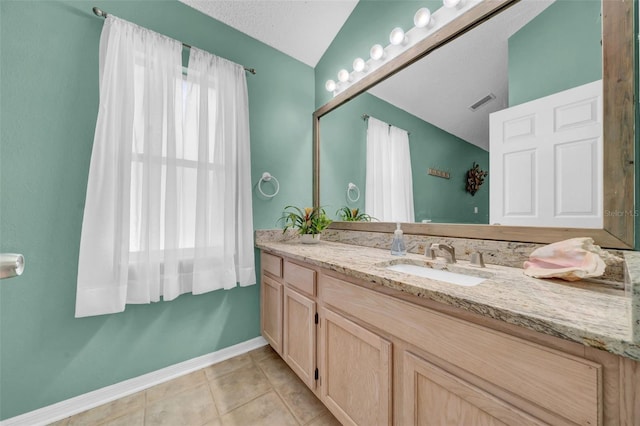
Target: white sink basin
x=437 y=274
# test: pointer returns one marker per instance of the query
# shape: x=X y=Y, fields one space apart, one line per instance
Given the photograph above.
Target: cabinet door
x=271 y=315
x=300 y=335
x=355 y=374
x=433 y=396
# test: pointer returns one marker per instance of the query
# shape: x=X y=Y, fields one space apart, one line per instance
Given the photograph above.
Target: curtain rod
x=365 y=117
x=101 y=13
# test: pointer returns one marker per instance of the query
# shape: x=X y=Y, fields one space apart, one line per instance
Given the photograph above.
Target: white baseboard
x=80 y=403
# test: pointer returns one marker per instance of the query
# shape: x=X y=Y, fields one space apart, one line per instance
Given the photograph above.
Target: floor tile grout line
x=228 y=372
x=245 y=403
x=110 y=417
x=272 y=388
x=206 y=380
x=287 y=406
x=213 y=399
x=277 y=391
x=258 y=364
x=147 y=402
x=322 y=413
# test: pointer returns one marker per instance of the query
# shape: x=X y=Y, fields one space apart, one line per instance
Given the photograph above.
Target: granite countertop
x=584 y=312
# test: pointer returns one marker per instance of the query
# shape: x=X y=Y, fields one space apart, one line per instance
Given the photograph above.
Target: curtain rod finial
x=99 y=12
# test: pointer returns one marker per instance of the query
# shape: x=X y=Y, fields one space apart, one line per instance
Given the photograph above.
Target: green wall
x=343 y=160
x=565 y=36
x=48 y=108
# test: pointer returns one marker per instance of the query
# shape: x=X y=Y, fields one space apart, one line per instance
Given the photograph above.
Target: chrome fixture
x=268 y=177
x=476 y=260
x=431 y=252
x=11 y=265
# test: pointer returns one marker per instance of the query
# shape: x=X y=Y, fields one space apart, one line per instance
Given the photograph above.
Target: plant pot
x=310 y=238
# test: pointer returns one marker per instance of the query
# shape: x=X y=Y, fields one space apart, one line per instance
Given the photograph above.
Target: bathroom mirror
x=618 y=123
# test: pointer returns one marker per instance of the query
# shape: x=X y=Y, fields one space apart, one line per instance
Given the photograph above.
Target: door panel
x=433 y=396
x=356 y=372
x=300 y=335
x=271 y=315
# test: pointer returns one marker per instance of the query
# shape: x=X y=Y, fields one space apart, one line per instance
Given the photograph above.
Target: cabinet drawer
x=568 y=386
x=272 y=264
x=304 y=279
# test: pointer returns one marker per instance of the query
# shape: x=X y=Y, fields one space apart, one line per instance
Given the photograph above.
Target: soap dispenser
x=397 y=246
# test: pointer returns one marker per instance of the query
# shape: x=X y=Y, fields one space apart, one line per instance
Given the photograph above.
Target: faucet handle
x=476 y=259
x=430 y=251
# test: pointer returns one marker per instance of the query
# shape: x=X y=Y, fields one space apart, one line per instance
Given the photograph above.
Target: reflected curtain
x=168 y=206
x=389 y=182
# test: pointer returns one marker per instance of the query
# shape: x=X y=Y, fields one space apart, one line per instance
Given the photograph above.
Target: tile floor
x=256 y=388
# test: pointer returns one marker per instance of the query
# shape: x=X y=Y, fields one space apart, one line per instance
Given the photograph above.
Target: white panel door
x=546 y=161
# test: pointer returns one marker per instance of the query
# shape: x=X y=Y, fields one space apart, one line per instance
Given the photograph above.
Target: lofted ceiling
x=438 y=89
x=303 y=29
x=441 y=87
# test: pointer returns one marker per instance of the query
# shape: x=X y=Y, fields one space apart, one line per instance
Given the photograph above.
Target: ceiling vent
x=482 y=102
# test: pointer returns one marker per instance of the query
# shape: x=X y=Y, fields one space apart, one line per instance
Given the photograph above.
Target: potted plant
x=310 y=222
x=353 y=215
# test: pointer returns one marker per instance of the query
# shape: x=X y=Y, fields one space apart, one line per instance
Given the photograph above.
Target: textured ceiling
x=303 y=29
x=440 y=88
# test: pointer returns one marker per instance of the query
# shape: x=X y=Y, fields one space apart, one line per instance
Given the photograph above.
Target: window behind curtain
x=168 y=207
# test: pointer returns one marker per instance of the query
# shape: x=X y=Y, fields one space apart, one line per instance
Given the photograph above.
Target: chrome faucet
x=430 y=251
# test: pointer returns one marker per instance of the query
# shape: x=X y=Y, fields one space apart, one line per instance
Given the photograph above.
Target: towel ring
x=350 y=188
x=266 y=177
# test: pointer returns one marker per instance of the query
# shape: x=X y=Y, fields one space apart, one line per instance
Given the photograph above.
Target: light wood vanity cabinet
x=271 y=300
x=300 y=335
x=299 y=321
x=356 y=371
x=433 y=396
x=375 y=359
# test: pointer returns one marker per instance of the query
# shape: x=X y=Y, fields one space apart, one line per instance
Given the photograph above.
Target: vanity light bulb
x=422 y=17
x=397 y=36
x=343 y=75
x=330 y=85
x=376 y=52
x=450 y=3
x=359 y=65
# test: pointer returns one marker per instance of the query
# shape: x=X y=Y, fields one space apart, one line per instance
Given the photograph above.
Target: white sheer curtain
x=389 y=183
x=158 y=222
x=217 y=126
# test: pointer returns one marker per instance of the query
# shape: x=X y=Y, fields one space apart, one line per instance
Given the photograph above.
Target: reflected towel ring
x=352 y=187
x=266 y=177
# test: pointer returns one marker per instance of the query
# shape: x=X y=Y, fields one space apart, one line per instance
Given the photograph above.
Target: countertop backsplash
x=503 y=253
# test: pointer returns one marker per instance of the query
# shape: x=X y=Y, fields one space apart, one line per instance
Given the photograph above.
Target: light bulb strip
x=439 y=18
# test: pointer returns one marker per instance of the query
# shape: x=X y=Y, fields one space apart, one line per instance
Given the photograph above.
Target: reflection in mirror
x=533 y=50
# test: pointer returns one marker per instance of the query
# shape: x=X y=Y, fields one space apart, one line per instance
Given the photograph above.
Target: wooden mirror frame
x=618 y=76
